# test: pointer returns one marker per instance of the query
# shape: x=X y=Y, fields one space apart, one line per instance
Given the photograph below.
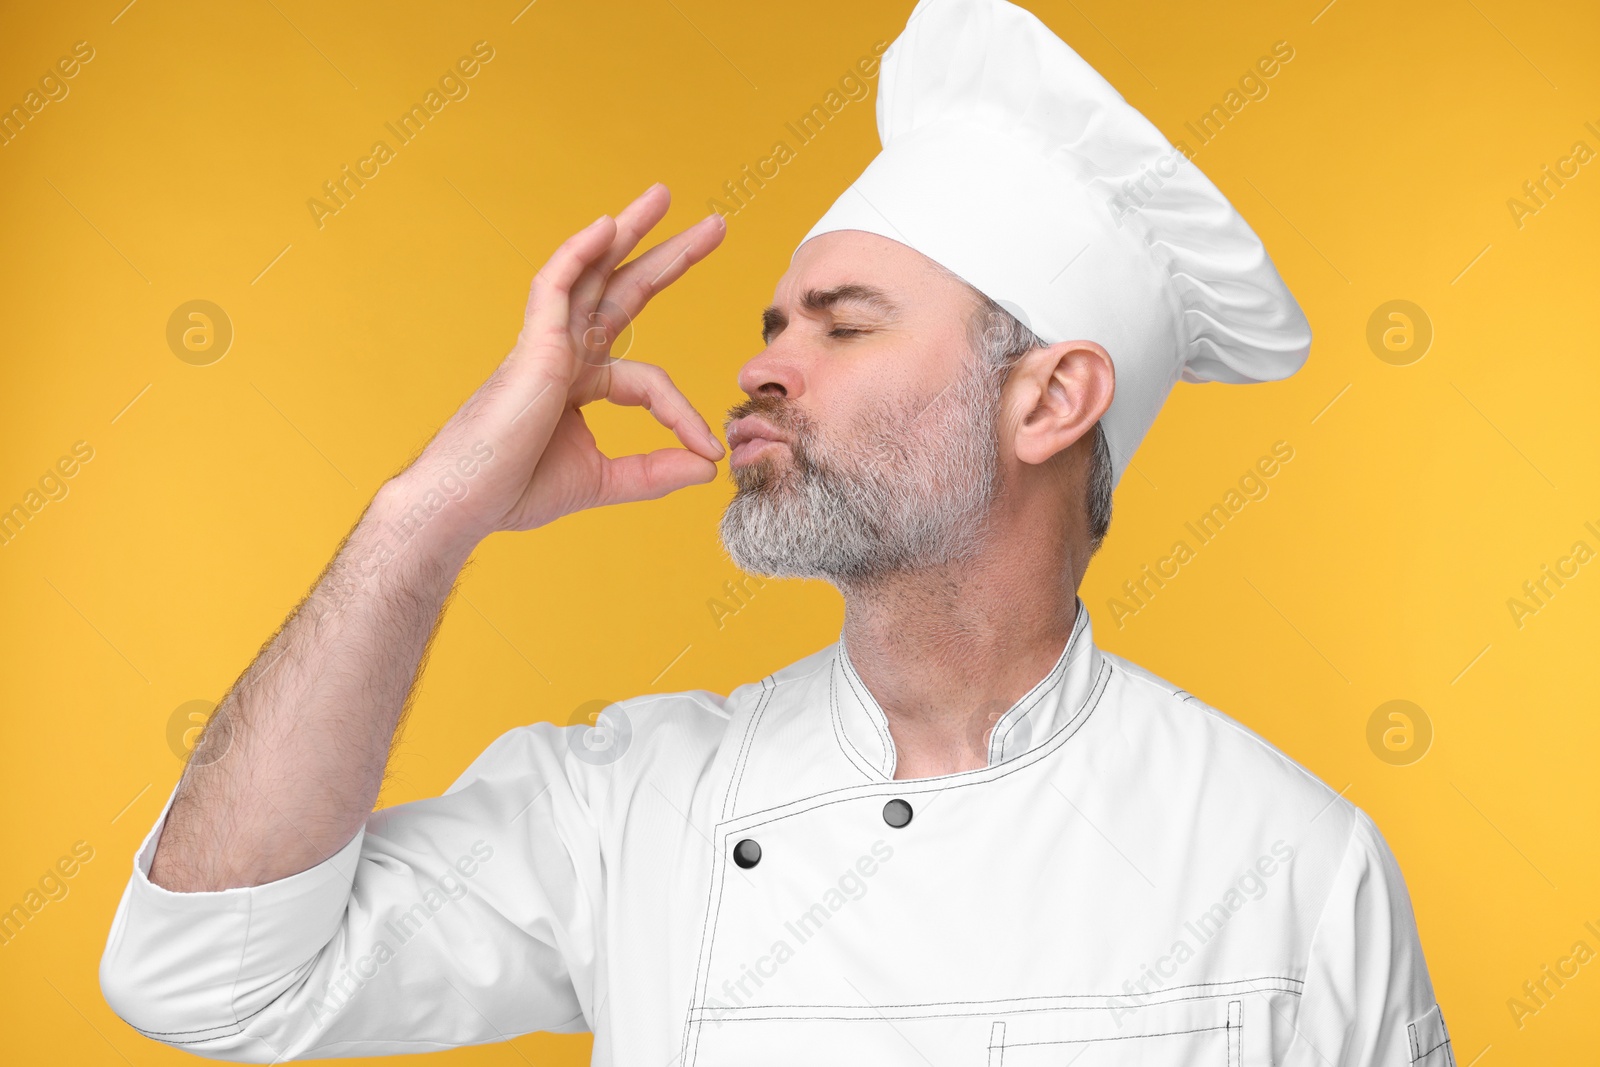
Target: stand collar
x=862 y=728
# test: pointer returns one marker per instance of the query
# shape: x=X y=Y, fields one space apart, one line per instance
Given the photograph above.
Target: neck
x=946 y=651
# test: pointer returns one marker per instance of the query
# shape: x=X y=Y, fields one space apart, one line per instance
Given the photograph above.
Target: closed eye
x=845 y=331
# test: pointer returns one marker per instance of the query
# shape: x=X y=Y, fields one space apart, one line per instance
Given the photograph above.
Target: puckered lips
x=749 y=436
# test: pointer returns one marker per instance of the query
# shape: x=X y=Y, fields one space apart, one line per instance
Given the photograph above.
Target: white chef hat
x=1009 y=161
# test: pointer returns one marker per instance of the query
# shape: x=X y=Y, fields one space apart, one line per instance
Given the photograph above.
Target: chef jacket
x=1133 y=878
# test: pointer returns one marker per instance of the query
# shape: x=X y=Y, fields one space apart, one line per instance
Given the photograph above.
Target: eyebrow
x=774 y=320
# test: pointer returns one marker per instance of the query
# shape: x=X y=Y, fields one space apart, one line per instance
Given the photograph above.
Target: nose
x=771 y=373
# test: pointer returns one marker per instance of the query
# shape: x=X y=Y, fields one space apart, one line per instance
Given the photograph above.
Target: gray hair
x=1000 y=340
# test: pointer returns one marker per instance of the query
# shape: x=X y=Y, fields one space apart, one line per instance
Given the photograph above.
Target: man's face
x=868 y=443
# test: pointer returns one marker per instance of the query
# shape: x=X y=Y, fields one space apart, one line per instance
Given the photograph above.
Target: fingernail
x=598 y=221
x=721 y=222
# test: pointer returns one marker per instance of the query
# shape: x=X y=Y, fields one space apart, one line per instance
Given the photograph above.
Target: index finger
x=632 y=286
x=544 y=321
x=633 y=222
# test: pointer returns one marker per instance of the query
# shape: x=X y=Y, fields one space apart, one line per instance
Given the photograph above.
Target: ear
x=1057 y=394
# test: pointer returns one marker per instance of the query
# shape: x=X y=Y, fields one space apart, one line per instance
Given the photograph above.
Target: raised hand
x=545 y=462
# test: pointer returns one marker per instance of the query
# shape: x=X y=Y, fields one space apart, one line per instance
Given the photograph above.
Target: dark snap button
x=747 y=853
x=897 y=813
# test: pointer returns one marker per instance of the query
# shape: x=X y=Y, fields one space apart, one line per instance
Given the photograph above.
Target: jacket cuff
x=187 y=968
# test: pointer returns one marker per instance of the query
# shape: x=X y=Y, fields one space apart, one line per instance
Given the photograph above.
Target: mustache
x=782 y=414
x=791 y=421
x=775 y=410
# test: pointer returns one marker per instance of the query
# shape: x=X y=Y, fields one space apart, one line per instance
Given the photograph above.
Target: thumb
x=652 y=475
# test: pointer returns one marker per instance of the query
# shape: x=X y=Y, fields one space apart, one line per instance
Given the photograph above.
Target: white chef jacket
x=1134 y=878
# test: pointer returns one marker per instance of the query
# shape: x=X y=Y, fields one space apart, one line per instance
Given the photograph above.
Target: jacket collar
x=1053 y=703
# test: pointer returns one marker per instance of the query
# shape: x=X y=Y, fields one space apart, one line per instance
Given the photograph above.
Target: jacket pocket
x=1215 y=1024
x=1205 y=1030
x=1430 y=1041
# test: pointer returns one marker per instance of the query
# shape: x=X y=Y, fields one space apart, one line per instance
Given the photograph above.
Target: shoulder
x=641 y=736
x=1237 y=798
x=702 y=719
x=1212 y=760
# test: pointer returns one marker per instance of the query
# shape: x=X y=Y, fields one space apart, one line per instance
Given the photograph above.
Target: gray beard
x=913 y=488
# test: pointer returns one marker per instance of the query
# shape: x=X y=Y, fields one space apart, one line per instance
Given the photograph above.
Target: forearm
x=291 y=763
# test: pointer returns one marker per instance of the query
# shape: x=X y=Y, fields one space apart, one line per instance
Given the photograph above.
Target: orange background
x=1378 y=567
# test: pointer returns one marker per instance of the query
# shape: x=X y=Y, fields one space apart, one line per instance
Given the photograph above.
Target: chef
x=960 y=834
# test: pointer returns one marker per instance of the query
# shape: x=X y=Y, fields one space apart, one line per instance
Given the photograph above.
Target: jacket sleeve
x=1368 y=1000
x=464 y=918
